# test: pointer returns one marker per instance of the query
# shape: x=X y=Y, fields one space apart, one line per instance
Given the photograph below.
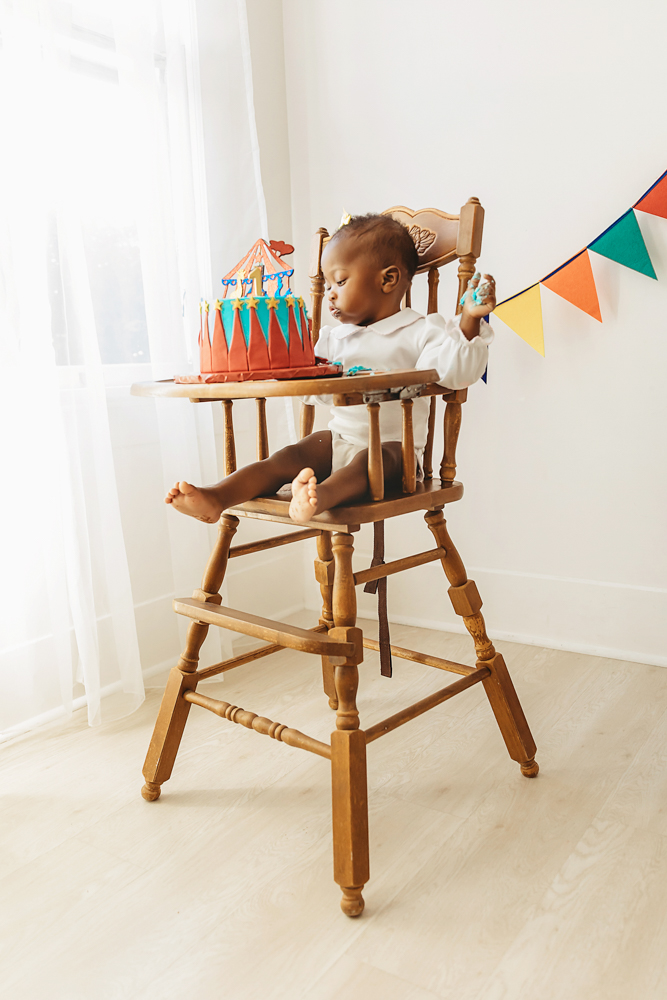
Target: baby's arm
x=478 y=301
x=456 y=348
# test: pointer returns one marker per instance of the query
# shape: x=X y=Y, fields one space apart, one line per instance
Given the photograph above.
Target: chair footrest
x=262 y=628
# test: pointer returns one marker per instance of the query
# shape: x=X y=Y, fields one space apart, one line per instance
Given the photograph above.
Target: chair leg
x=348 y=745
x=324 y=573
x=498 y=686
x=174 y=710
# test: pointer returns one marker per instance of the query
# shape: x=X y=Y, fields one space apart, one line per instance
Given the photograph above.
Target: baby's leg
x=258 y=479
x=311 y=495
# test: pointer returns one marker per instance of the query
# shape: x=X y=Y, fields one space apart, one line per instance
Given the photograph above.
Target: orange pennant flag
x=654 y=201
x=574 y=281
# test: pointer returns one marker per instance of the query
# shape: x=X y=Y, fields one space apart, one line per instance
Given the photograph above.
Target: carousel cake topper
x=260 y=329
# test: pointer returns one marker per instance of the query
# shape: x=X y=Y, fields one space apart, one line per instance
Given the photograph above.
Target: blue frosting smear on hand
x=477 y=294
x=474 y=295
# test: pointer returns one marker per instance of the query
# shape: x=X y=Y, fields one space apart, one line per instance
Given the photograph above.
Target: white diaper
x=343 y=451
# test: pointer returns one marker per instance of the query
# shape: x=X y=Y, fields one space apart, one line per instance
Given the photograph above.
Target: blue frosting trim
x=278 y=277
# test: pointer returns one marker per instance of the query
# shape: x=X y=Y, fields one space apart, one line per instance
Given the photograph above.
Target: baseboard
x=56 y=716
x=546 y=642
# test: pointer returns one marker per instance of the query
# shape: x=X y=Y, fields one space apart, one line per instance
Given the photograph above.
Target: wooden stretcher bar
x=261 y=725
x=426 y=658
x=272 y=543
x=412 y=711
x=397 y=566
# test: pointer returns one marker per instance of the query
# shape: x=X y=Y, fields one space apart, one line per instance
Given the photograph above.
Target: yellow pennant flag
x=523 y=314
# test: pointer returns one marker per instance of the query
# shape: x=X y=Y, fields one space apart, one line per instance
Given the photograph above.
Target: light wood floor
x=484 y=885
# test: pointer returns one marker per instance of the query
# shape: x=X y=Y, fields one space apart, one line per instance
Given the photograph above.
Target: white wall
x=550 y=115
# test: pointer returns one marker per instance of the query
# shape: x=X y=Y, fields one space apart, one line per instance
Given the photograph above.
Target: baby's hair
x=384 y=238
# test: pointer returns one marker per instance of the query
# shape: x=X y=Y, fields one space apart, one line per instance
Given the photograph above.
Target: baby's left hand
x=479 y=299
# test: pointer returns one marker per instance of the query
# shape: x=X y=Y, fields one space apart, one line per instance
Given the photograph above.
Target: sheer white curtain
x=104 y=254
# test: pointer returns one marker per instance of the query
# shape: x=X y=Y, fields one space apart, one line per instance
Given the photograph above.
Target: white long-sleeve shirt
x=405 y=340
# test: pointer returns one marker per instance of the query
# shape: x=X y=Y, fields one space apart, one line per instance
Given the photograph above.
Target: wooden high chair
x=440 y=239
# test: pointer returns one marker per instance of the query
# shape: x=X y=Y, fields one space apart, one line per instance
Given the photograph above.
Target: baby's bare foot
x=304 y=503
x=197 y=502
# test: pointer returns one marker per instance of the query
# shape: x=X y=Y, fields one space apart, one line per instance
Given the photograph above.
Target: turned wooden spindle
x=216 y=567
x=352 y=904
x=214 y=574
x=407 y=298
x=468 y=243
x=427 y=461
x=451 y=560
x=408 y=449
x=262 y=431
x=375 y=464
x=324 y=574
x=433 y=280
x=465 y=273
x=476 y=626
x=306 y=419
x=347 y=683
x=230 y=446
x=344 y=596
x=316 y=282
x=348 y=782
x=463 y=592
x=452 y=428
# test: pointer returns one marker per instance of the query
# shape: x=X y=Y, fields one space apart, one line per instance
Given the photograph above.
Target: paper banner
x=624 y=243
x=574 y=281
x=654 y=202
x=523 y=314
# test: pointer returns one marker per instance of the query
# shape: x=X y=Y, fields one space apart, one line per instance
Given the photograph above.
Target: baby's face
x=354 y=283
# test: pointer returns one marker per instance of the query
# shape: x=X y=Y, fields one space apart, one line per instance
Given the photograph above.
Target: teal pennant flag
x=624 y=243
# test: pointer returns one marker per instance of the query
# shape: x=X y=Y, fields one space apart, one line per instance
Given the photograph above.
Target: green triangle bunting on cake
x=623 y=242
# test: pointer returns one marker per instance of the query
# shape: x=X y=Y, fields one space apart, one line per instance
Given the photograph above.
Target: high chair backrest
x=440 y=239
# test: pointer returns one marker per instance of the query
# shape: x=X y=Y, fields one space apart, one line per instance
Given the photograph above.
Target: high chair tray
x=375 y=382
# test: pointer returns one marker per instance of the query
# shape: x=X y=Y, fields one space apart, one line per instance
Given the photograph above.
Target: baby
x=368 y=266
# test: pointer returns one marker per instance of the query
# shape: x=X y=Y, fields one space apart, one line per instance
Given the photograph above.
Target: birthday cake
x=260 y=329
